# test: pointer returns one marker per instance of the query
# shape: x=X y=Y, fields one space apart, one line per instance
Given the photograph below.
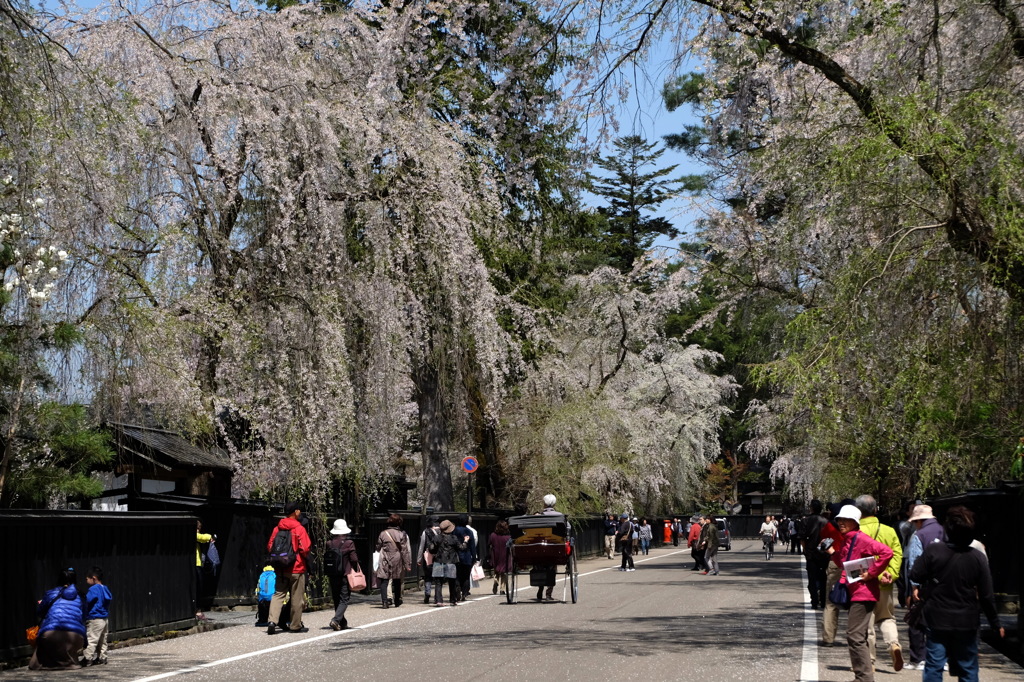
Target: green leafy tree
x=871 y=162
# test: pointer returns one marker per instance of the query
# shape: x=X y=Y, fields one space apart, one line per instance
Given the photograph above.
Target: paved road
x=661 y=622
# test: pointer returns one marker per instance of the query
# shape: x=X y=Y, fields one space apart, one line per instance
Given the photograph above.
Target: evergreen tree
x=633 y=192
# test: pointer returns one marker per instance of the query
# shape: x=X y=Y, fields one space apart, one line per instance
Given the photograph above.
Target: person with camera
x=862 y=586
x=830 y=534
x=817 y=562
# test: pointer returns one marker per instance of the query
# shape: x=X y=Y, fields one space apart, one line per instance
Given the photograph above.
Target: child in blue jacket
x=264 y=593
x=97 y=622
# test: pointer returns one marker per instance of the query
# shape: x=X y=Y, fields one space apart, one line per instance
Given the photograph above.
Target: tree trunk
x=437 y=477
x=8 y=445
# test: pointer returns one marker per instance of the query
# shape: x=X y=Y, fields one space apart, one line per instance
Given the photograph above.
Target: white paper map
x=857 y=569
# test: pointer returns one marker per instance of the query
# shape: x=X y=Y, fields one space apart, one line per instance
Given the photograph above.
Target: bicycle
x=769 y=546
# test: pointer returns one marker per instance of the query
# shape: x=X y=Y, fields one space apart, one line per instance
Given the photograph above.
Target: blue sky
x=644 y=114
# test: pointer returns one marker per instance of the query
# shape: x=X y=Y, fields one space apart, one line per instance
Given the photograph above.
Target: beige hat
x=922 y=512
x=447 y=526
x=341 y=528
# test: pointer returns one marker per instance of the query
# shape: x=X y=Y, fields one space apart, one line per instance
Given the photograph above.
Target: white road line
x=307 y=640
x=298 y=642
x=809 y=660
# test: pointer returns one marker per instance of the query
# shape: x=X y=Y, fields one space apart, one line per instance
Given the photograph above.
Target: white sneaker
x=630 y=569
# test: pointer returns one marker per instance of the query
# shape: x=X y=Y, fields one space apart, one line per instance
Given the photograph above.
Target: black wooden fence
x=148 y=555
x=147 y=558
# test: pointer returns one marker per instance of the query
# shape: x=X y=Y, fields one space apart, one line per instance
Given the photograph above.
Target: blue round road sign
x=469 y=464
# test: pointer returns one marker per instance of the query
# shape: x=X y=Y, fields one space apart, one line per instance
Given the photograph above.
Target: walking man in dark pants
x=611 y=530
x=625 y=540
x=817 y=562
x=693 y=542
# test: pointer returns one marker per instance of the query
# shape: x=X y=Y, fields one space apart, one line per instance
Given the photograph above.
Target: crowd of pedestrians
x=854 y=563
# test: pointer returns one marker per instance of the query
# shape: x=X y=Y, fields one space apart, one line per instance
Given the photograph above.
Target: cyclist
x=769 y=531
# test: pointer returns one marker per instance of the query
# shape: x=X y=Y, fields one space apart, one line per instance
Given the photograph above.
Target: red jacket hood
x=300 y=542
x=290 y=524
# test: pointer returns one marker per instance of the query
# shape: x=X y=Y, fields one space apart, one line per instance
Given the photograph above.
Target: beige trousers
x=885 y=618
x=830 y=617
x=96 y=629
x=292 y=585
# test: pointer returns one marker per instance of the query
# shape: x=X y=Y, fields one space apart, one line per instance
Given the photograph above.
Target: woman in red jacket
x=862 y=586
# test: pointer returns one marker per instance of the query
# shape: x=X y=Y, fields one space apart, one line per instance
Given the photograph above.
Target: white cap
x=849 y=512
x=341 y=528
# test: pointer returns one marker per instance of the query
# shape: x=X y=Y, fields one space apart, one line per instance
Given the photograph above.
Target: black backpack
x=333 y=561
x=282 y=554
x=429 y=537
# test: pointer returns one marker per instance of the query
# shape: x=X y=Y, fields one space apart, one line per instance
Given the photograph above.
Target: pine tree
x=633 y=192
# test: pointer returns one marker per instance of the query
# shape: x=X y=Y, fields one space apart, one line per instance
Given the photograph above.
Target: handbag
x=477 y=572
x=840 y=595
x=914 y=617
x=356 y=581
x=840 y=592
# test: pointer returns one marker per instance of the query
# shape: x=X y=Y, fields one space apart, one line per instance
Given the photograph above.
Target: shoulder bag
x=840 y=592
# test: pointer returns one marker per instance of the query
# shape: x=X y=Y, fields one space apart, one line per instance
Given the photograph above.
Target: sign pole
x=469 y=465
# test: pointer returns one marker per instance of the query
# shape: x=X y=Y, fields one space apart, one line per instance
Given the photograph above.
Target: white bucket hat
x=849 y=512
x=341 y=528
x=922 y=512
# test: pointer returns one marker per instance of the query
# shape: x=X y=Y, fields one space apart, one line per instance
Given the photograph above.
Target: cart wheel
x=510 y=590
x=574 y=577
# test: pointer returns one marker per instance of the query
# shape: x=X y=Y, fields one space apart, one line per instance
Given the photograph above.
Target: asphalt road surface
x=661 y=622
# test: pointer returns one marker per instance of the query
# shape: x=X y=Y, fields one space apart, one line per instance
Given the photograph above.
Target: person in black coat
x=466 y=556
x=446 y=547
x=956 y=586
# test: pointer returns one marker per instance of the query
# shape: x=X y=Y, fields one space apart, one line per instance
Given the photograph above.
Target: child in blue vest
x=264 y=593
x=97 y=600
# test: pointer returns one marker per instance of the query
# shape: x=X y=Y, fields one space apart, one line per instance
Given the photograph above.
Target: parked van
x=724 y=534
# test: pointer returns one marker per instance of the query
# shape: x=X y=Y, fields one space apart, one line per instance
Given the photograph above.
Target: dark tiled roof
x=170 y=445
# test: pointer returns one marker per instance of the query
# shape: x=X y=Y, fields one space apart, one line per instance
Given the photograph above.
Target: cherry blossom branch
x=967 y=229
x=622 y=351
